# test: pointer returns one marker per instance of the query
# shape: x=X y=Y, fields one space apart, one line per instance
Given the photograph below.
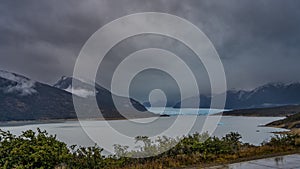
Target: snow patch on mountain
x=76 y=87
x=80 y=92
x=268 y=86
x=23 y=86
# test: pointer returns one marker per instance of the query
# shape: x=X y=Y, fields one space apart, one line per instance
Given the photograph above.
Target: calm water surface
x=71 y=132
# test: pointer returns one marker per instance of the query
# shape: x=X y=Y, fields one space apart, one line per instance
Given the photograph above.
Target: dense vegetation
x=41 y=150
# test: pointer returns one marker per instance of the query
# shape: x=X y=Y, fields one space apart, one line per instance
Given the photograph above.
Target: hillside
x=281 y=111
x=24 y=99
x=28 y=100
x=104 y=99
x=290 y=122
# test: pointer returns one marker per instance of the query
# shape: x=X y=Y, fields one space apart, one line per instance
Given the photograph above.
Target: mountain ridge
x=268 y=95
x=24 y=99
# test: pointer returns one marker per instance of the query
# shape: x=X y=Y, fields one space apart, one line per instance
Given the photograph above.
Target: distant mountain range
x=269 y=95
x=24 y=99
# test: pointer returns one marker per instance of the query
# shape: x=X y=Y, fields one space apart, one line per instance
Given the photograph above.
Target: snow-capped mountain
x=24 y=99
x=272 y=94
x=103 y=96
x=269 y=95
x=81 y=89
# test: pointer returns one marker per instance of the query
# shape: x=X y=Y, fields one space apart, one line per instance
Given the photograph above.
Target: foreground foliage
x=41 y=150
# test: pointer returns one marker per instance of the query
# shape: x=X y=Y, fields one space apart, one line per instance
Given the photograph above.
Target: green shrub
x=40 y=150
x=31 y=150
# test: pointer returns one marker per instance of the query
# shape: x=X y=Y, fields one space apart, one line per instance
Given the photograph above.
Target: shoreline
x=49 y=121
x=291 y=131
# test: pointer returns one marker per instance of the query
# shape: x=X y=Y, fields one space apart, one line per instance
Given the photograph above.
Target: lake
x=103 y=132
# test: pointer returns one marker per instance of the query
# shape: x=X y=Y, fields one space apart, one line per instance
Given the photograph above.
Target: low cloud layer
x=22 y=85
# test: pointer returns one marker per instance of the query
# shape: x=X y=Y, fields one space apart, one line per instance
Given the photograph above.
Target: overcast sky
x=258 y=40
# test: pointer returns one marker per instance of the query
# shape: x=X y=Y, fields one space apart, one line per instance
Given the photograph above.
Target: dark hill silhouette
x=24 y=99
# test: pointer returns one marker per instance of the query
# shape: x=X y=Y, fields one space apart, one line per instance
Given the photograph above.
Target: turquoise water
x=185 y=111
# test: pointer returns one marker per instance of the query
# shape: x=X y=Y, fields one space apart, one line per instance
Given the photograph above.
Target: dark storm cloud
x=258 y=41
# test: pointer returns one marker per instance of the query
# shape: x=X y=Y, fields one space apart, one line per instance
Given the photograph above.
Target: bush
x=40 y=150
x=283 y=140
x=31 y=150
